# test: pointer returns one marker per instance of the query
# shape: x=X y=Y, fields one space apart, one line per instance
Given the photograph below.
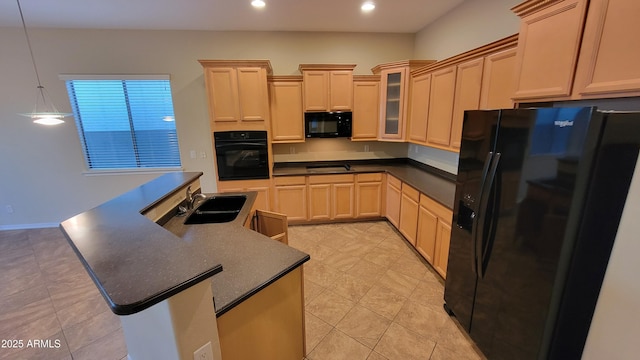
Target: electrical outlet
x=292 y=149
x=9 y=209
x=366 y=148
x=204 y=353
x=203 y=155
x=192 y=154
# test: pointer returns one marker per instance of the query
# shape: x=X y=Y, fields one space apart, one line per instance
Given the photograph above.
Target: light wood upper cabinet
x=366 y=102
x=443 y=83
x=467 y=96
x=237 y=93
x=498 y=80
x=327 y=87
x=393 y=106
x=316 y=90
x=341 y=90
x=442 y=92
x=394 y=95
x=419 y=108
x=548 y=47
x=285 y=98
x=609 y=62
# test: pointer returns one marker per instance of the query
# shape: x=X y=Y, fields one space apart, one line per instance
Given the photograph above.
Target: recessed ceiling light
x=368 y=6
x=258 y=4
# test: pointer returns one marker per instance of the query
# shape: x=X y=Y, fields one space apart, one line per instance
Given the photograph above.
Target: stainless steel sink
x=328 y=168
x=217 y=209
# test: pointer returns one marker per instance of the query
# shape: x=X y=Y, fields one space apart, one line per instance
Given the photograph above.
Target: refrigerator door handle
x=480 y=250
x=478 y=214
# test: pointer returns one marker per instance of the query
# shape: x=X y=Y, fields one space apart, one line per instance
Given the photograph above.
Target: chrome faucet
x=192 y=198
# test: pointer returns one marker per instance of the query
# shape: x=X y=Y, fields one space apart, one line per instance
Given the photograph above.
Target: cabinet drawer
x=289 y=180
x=436 y=208
x=331 y=179
x=395 y=182
x=369 y=177
x=410 y=192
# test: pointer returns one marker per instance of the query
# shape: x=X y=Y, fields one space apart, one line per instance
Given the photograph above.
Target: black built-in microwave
x=327 y=124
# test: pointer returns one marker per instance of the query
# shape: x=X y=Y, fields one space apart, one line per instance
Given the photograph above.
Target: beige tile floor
x=367 y=294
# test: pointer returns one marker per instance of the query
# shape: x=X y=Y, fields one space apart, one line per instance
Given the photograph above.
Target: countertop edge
x=242 y=298
x=74 y=232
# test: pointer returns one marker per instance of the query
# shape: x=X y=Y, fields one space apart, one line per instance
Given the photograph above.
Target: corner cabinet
x=327 y=87
x=237 y=94
x=394 y=94
x=287 y=117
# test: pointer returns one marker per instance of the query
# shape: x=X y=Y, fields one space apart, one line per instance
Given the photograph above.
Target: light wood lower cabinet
x=272 y=321
x=321 y=198
x=343 y=200
x=262 y=187
x=409 y=213
x=369 y=195
x=291 y=197
x=393 y=198
x=331 y=197
x=434 y=233
x=271 y=224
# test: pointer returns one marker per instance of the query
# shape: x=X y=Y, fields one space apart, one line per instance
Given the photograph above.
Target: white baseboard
x=29 y=226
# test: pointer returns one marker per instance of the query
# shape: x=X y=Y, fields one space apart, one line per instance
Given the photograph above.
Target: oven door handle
x=242 y=144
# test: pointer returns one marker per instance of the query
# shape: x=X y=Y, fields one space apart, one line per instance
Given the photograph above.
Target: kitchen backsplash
x=443 y=160
x=344 y=149
x=337 y=149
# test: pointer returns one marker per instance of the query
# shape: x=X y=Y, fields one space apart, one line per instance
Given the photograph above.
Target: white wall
x=470 y=25
x=41 y=167
x=616 y=322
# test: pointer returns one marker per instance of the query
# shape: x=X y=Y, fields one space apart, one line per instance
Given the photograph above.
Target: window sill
x=130 y=171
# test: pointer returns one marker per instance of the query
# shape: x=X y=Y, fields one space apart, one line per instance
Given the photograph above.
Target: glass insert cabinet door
x=393 y=92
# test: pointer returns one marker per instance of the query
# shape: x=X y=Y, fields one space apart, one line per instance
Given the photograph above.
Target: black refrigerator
x=539 y=194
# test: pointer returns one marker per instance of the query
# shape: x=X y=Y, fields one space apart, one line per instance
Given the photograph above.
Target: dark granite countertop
x=250 y=261
x=435 y=183
x=137 y=263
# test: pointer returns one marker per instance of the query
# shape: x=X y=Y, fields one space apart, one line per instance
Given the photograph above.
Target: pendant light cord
x=26 y=34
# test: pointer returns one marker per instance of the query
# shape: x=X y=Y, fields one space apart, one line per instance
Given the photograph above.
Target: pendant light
x=44 y=111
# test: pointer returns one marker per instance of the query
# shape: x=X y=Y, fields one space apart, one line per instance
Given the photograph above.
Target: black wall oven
x=241 y=155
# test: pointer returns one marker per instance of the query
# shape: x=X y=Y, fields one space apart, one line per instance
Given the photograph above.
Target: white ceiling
x=399 y=16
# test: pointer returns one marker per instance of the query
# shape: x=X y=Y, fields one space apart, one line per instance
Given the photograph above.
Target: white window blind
x=125 y=123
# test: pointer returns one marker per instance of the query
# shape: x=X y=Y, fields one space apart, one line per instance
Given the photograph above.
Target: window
x=125 y=122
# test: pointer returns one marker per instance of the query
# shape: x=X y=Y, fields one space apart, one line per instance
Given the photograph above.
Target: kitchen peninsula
x=164 y=281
